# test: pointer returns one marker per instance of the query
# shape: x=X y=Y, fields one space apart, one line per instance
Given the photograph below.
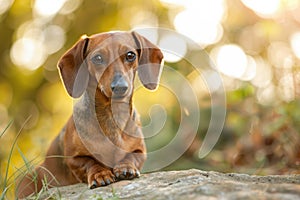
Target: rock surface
x=188 y=185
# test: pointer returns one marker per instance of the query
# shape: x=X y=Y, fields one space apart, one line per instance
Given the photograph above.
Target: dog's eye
x=130 y=56
x=97 y=59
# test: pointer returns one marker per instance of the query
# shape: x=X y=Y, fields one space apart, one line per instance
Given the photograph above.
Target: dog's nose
x=119 y=85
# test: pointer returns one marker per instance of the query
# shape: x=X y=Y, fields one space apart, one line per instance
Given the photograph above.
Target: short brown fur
x=102 y=141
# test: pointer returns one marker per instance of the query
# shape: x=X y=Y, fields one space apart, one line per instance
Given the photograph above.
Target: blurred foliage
x=261 y=133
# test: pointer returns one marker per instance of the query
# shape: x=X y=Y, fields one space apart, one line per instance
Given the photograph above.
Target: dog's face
x=111 y=59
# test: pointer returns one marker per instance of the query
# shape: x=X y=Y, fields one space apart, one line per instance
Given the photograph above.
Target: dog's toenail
x=94 y=185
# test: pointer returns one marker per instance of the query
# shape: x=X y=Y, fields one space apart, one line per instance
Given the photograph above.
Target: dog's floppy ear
x=150 y=58
x=73 y=70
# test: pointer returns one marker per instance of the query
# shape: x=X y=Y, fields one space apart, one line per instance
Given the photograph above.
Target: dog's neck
x=96 y=125
x=112 y=115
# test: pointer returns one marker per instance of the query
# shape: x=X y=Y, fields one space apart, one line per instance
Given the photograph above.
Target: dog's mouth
x=117 y=97
x=113 y=95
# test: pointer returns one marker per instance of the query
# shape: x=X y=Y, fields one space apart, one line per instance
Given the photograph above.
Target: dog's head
x=111 y=59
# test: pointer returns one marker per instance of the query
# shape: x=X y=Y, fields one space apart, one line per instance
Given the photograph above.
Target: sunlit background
x=254 y=44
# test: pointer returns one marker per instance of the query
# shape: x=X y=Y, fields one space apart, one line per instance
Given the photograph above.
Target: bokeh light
x=48 y=8
x=280 y=55
x=286 y=87
x=264 y=73
x=70 y=6
x=150 y=34
x=267 y=95
x=174 y=48
x=250 y=70
x=35 y=44
x=205 y=28
x=265 y=8
x=28 y=53
x=254 y=44
x=231 y=60
x=144 y=19
x=174 y=2
x=37 y=38
x=295 y=43
x=5 y=5
x=212 y=79
x=54 y=38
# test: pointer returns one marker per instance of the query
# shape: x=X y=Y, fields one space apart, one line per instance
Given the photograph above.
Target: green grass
x=7 y=182
x=4 y=181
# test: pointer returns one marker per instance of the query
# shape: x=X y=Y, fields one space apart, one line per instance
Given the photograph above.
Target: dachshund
x=102 y=141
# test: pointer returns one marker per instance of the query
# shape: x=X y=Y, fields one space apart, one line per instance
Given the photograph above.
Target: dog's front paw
x=100 y=177
x=126 y=171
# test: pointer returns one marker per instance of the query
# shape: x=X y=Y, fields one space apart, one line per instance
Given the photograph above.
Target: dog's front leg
x=86 y=169
x=129 y=167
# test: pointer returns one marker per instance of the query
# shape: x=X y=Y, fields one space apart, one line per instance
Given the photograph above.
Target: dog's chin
x=119 y=98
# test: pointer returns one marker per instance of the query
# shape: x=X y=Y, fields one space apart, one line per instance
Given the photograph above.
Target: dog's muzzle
x=119 y=86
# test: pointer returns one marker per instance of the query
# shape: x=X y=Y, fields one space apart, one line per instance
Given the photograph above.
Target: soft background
x=255 y=45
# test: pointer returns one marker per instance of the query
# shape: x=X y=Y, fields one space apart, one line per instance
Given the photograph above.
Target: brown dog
x=102 y=141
